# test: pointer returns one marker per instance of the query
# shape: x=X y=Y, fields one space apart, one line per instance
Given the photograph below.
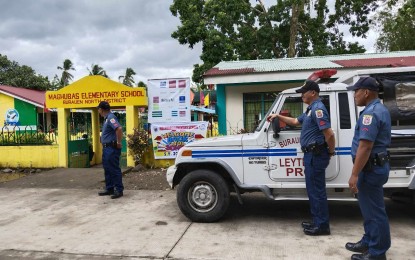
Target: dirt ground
x=89 y=178
x=147 y=179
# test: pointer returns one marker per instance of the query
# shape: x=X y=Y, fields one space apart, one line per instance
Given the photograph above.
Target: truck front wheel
x=203 y=196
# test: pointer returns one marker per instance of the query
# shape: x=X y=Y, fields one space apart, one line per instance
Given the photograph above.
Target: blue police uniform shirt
x=108 y=129
x=312 y=121
x=374 y=124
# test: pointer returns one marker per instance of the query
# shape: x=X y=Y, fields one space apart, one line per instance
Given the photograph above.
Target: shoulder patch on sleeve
x=112 y=120
x=367 y=119
x=319 y=113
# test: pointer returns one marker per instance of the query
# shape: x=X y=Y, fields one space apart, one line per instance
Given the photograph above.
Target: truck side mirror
x=276 y=127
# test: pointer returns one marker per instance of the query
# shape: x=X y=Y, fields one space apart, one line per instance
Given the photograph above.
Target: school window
x=256 y=105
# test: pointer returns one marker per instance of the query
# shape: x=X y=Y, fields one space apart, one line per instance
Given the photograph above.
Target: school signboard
x=90 y=90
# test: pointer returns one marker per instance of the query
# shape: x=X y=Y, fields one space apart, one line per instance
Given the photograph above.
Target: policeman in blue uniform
x=111 y=138
x=318 y=143
x=371 y=170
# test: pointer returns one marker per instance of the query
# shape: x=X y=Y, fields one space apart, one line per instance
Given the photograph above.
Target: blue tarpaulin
x=202 y=109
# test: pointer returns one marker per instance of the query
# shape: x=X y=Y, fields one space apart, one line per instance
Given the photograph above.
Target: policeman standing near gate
x=317 y=142
x=111 y=138
x=371 y=170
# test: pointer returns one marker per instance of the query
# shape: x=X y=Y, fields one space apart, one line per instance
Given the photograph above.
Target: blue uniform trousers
x=372 y=206
x=315 y=180
x=111 y=164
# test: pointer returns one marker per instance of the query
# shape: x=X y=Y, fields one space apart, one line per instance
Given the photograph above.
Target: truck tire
x=203 y=196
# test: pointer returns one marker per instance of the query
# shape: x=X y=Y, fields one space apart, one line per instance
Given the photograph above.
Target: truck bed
x=402 y=150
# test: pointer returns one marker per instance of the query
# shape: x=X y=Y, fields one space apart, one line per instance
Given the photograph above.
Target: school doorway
x=80 y=150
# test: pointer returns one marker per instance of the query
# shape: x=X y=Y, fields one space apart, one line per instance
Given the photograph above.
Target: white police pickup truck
x=270 y=159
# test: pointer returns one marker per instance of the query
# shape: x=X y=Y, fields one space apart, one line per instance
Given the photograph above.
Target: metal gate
x=79 y=140
x=122 y=120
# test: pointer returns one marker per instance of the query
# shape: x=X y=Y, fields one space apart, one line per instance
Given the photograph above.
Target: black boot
x=358 y=247
x=117 y=194
x=368 y=256
x=307 y=224
x=317 y=231
x=106 y=192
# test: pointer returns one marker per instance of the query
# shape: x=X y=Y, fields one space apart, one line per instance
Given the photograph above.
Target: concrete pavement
x=77 y=224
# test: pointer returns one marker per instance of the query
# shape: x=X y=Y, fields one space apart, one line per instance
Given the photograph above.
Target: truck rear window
x=344 y=111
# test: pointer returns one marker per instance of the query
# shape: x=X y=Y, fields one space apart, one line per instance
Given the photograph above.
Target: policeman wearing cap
x=111 y=138
x=318 y=143
x=371 y=169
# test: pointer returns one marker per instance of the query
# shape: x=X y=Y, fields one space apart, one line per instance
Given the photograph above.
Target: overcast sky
x=114 y=34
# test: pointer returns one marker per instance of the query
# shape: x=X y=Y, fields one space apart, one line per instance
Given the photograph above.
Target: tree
x=396 y=26
x=128 y=78
x=238 y=30
x=12 y=74
x=97 y=70
x=142 y=84
x=66 y=76
x=55 y=83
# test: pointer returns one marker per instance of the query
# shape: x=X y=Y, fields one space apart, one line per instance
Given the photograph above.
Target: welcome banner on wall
x=168 y=138
x=169 y=100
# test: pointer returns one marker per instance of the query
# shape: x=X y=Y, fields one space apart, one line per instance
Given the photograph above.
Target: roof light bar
x=322 y=74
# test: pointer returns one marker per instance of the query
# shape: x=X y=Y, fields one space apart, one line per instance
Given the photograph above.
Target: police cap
x=365 y=83
x=308 y=85
x=104 y=105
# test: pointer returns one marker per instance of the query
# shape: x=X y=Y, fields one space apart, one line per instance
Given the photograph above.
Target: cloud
x=113 y=34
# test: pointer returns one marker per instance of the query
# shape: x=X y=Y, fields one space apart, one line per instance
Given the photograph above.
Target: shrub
x=138 y=144
x=26 y=138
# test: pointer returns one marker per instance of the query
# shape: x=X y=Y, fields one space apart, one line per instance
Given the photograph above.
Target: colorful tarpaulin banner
x=169 y=100
x=169 y=138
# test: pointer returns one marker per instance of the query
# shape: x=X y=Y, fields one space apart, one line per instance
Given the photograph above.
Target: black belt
x=371 y=161
x=378 y=159
x=314 y=147
x=112 y=144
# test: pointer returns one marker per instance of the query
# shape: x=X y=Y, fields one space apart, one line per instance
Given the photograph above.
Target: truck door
x=346 y=122
x=286 y=158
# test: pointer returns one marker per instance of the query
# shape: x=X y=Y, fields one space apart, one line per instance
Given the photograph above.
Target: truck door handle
x=270 y=167
x=269 y=144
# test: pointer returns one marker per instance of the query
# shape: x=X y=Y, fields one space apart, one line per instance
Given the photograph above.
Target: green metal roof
x=303 y=63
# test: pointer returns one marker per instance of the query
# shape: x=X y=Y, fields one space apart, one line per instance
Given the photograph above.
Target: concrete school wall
x=47 y=156
x=150 y=162
x=37 y=156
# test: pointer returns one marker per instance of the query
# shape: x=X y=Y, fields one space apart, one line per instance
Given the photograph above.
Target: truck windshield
x=264 y=119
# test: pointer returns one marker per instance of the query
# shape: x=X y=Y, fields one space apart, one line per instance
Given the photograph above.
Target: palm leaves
x=127 y=79
x=97 y=70
x=66 y=76
x=141 y=84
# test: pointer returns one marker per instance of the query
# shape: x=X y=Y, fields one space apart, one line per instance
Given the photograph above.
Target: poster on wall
x=168 y=100
x=168 y=138
x=12 y=122
x=12 y=117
